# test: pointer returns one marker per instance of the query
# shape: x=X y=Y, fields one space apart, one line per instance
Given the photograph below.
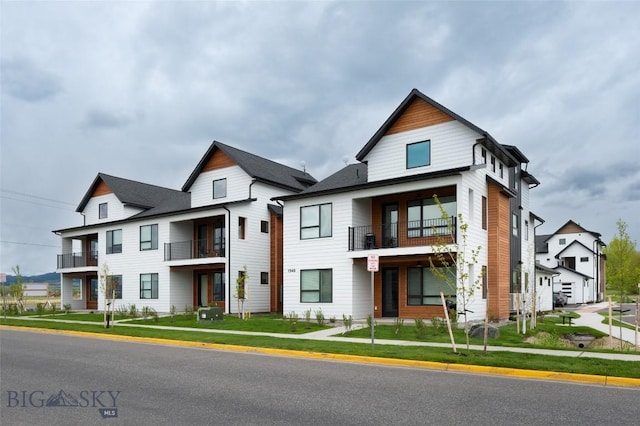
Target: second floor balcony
x=77 y=260
x=403 y=234
x=184 y=250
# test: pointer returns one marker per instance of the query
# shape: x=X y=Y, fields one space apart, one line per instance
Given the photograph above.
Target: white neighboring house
x=183 y=248
x=576 y=255
x=384 y=205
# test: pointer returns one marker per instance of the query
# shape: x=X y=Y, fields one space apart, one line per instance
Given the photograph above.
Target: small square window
x=220 y=188
x=562 y=241
x=103 y=210
x=418 y=154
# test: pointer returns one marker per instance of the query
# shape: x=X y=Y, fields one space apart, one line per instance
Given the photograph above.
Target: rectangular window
x=493 y=164
x=242 y=222
x=316 y=286
x=485 y=282
x=114 y=284
x=562 y=241
x=484 y=156
x=526 y=230
x=149 y=237
x=264 y=226
x=218 y=286
x=424 y=287
x=584 y=259
x=76 y=289
x=315 y=221
x=220 y=188
x=264 y=278
x=514 y=224
x=424 y=217
x=148 y=286
x=471 y=206
x=484 y=212
x=114 y=241
x=418 y=154
x=103 y=210
x=501 y=167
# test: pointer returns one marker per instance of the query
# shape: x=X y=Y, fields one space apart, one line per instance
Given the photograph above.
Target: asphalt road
x=91 y=381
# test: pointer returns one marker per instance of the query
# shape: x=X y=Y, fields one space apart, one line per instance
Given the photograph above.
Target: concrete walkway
x=589 y=317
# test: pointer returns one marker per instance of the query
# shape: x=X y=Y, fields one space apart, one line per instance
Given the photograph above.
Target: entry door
x=389 y=292
x=390 y=225
x=92 y=292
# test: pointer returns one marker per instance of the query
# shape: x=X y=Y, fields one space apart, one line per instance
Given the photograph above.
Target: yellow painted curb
x=478 y=369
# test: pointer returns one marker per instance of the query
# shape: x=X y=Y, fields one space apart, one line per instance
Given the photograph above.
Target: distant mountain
x=51 y=278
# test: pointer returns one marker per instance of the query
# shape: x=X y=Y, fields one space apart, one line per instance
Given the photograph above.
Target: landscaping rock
x=477 y=331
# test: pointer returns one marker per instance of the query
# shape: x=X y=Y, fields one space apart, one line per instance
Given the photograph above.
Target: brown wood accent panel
x=275 y=262
x=218 y=160
x=418 y=114
x=101 y=189
x=571 y=228
x=498 y=253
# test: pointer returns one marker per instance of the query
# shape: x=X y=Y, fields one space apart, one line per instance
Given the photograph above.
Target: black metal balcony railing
x=77 y=260
x=188 y=250
x=403 y=234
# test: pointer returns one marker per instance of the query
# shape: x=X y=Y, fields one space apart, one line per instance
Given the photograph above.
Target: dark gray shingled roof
x=487 y=140
x=257 y=167
x=153 y=199
x=351 y=175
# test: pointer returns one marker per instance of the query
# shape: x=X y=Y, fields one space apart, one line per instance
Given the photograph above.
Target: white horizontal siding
x=237 y=186
x=451 y=147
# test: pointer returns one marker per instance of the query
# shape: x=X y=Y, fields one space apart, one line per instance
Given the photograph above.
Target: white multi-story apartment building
x=384 y=205
x=164 y=247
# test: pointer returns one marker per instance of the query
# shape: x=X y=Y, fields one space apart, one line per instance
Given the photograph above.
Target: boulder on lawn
x=477 y=331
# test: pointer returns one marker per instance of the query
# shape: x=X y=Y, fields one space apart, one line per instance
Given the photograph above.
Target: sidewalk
x=589 y=317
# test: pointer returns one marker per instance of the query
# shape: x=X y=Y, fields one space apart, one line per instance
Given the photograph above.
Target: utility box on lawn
x=210 y=314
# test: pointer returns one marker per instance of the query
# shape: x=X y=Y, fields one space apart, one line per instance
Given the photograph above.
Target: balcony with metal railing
x=403 y=234
x=185 y=250
x=77 y=260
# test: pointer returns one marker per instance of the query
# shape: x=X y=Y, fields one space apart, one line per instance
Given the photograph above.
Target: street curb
x=431 y=365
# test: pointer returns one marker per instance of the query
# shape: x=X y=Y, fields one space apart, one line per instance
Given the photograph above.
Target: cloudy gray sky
x=140 y=89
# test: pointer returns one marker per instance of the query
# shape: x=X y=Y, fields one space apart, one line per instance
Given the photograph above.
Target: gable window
x=103 y=210
x=424 y=217
x=149 y=286
x=149 y=237
x=220 y=188
x=501 y=167
x=315 y=221
x=424 y=287
x=484 y=156
x=114 y=284
x=114 y=241
x=493 y=164
x=418 y=154
x=264 y=226
x=562 y=241
x=316 y=286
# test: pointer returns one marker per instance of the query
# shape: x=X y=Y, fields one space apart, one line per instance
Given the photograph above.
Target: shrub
x=40 y=308
x=421 y=328
x=398 y=323
x=320 y=317
x=133 y=311
x=67 y=308
x=307 y=318
x=188 y=311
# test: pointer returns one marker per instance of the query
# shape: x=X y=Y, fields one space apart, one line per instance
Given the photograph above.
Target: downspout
x=228 y=248
x=473 y=150
x=279 y=295
x=535 y=274
x=250 y=185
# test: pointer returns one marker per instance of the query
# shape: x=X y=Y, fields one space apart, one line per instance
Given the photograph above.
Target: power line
x=28 y=244
x=36 y=203
x=35 y=196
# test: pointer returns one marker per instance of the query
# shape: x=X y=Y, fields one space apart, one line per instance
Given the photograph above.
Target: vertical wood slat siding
x=219 y=160
x=418 y=114
x=275 y=267
x=499 y=274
